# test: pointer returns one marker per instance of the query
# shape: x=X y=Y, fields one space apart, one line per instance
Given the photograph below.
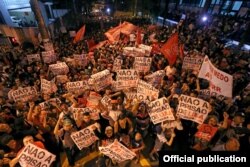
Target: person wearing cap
x=64 y=135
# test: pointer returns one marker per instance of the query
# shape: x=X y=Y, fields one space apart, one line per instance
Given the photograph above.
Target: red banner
x=80 y=34
x=170 y=49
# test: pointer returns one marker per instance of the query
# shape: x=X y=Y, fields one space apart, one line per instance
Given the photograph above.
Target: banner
x=78 y=86
x=206 y=132
x=48 y=87
x=142 y=64
x=160 y=111
x=32 y=156
x=59 y=68
x=24 y=94
x=33 y=58
x=192 y=63
x=194 y=109
x=106 y=101
x=155 y=78
x=84 y=138
x=49 y=56
x=80 y=34
x=170 y=49
x=80 y=60
x=117 y=65
x=117 y=152
x=207 y=94
x=126 y=79
x=94 y=112
x=46 y=105
x=147 y=91
x=101 y=80
x=220 y=82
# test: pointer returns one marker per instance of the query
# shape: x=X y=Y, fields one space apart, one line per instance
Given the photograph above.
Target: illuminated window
x=237 y=5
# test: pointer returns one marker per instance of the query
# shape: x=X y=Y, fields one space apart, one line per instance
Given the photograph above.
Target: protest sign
x=46 y=105
x=33 y=58
x=101 y=80
x=142 y=64
x=48 y=87
x=32 y=156
x=117 y=152
x=146 y=48
x=84 y=138
x=117 y=65
x=49 y=56
x=139 y=52
x=220 y=82
x=128 y=51
x=207 y=94
x=160 y=111
x=78 y=112
x=206 y=132
x=126 y=78
x=59 y=68
x=192 y=63
x=78 y=86
x=106 y=101
x=155 y=78
x=80 y=59
x=146 y=91
x=24 y=94
x=194 y=109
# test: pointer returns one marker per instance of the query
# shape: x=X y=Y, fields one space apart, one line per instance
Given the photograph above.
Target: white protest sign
x=48 y=87
x=147 y=91
x=117 y=152
x=33 y=58
x=160 y=111
x=32 y=156
x=126 y=79
x=101 y=80
x=142 y=64
x=220 y=82
x=128 y=51
x=146 y=48
x=94 y=112
x=139 y=52
x=192 y=63
x=194 y=109
x=117 y=65
x=155 y=78
x=46 y=105
x=78 y=86
x=84 y=138
x=207 y=94
x=106 y=101
x=49 y=56
x=24 y=94
x=80 y=60
x=59 y=68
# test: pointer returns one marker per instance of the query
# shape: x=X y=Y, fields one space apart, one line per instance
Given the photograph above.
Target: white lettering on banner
x=117 y=65
x=77 y=86
x=194 y=109
x=49 y=56
x=142 y=64
x=147 y=91
x=160 y=111
x=46 y=105
x=33 y=58
x=24 y=94
x=126 y=78
x=94 y=112
x=81 y=60
x=220 y=82
x=84 y=138
x=101 y=80
x=192 y=63
x=117 y=152
x=59 y=68
x=155 y=78
x=32 y=156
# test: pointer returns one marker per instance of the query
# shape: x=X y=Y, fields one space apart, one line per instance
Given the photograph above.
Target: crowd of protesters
x=124 y=120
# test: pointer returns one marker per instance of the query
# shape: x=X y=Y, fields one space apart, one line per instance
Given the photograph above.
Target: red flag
x=79 y=35
x=156 y=48
x=127 y=28
x=100 y=44
x=91 y=43
x=170 y=49
x=138 y=37
x=181 y=51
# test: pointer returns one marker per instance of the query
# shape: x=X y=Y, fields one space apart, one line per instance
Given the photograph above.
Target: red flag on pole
x=182 y=51
x=170 y=49
x=79 y=35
